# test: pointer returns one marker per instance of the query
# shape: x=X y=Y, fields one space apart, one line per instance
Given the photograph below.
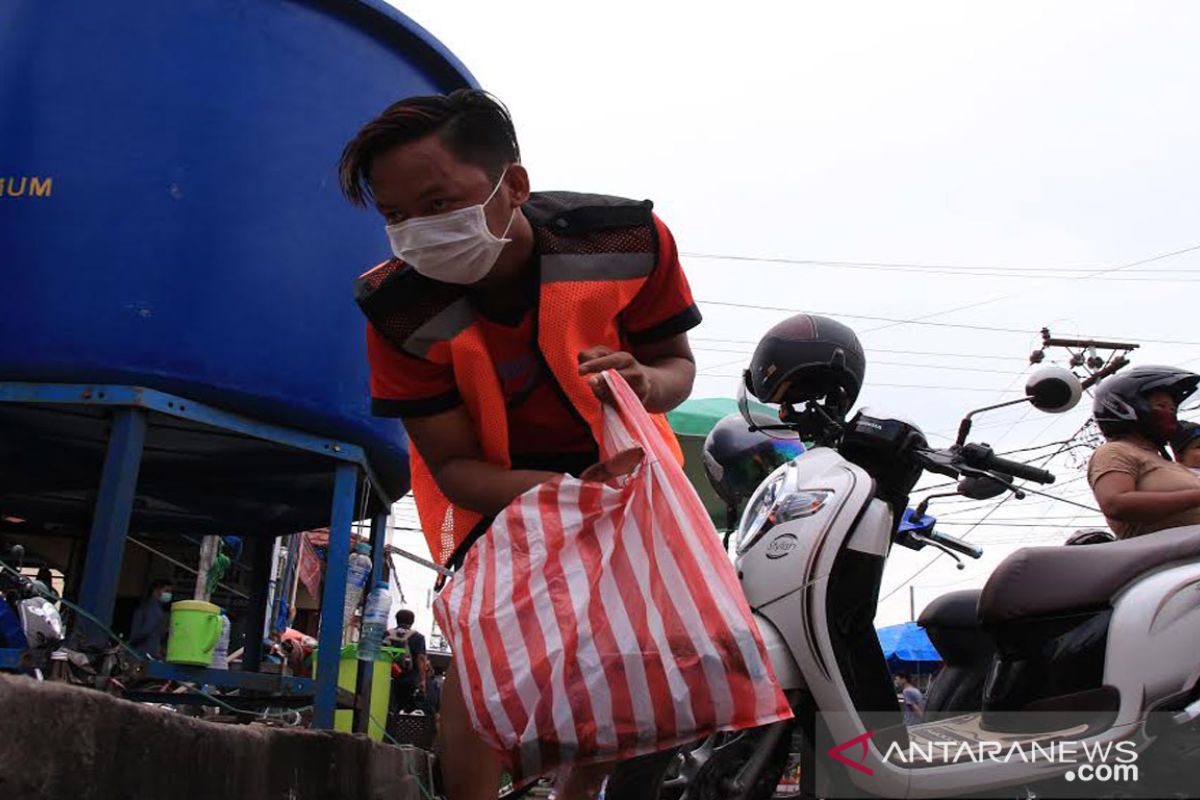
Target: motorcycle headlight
x=755 y=520
x=777 y=501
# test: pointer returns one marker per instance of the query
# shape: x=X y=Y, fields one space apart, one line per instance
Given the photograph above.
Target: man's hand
x=660 y=373
x=621 y=464
x=598 y=359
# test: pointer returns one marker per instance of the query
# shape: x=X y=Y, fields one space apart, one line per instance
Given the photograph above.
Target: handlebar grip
x=955 y=544
x=1019 y=470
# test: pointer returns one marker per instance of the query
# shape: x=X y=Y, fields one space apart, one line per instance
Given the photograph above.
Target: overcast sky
x=1025 y=157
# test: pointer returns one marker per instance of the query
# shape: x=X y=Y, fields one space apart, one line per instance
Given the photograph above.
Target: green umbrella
x=691 y=422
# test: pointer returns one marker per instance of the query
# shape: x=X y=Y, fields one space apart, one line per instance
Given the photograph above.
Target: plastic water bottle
x=375 y=619
x=220 y=659
x=356 y=581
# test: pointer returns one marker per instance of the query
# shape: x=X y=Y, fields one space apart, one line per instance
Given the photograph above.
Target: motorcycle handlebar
x=954 y=543
x=981 y=456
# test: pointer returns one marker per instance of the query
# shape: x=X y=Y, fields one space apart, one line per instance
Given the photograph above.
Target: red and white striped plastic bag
x=599 y=621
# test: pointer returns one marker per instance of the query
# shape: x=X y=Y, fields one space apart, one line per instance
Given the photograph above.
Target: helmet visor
x=760 y=421
x=742 y=477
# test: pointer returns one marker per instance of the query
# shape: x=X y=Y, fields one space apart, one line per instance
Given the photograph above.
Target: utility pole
x=1083 y=353
x=912 y=603
x=210 y=546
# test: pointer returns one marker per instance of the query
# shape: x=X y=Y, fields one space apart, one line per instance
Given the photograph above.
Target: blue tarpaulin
x=907 y=647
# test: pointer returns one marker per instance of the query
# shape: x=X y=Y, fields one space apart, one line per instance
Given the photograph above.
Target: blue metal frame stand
x=132 y=407
x=110 y=524
x=256 y=609
x=333 y=597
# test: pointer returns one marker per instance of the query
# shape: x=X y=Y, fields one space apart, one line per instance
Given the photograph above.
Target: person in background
x=911 y=699
x=409 y=678
x=1186 y=445
x=149 y=625
x=1137 y=485
x=433 y=691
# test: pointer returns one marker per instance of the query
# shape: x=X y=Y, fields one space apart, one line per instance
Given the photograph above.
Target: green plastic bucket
x=381 y=687
x=195 y=629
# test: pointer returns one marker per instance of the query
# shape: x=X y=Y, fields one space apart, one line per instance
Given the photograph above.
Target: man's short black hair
x=472 y=124
x=405 y=618
x=159 y=583
x=904 y=676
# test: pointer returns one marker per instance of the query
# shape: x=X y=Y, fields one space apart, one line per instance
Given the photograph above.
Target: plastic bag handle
x=627 y=424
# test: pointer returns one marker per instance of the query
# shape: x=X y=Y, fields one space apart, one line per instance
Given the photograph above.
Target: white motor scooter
x=1087 y=642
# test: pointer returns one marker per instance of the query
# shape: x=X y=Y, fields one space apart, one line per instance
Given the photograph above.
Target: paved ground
x=59 y=741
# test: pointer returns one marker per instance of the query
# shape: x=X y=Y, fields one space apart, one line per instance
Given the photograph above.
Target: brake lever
x=974 y=472
x=957 y=561
x=940 y=461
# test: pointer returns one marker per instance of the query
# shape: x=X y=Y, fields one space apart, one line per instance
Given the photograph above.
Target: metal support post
x=378 y=545
x=333 y=598
x=366 y=669
x=110 y=523
x=256 y=608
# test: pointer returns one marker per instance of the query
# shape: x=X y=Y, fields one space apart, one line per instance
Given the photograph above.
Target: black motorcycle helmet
x=808 y=357
x=737 y=460
x=1186 y=435
x=1121 y=403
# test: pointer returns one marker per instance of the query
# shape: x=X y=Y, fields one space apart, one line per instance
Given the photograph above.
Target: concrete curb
x=59 y=741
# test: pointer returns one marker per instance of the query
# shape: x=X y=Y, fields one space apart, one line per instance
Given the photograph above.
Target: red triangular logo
x=836 y=753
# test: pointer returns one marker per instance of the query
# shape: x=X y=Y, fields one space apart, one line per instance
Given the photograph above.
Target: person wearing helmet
x=808 y=357
x=1138 y=488
x=1186 y=445
x=737 y=460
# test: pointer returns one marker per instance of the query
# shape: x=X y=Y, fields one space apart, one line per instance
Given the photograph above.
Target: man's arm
x=1119 y=499
x=448 y=443
x=660 y=373
x=422 y=663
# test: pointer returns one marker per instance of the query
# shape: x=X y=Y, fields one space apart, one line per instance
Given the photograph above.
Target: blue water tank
x=169 y=208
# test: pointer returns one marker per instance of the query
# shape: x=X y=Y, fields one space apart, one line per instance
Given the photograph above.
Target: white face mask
x=455 y=247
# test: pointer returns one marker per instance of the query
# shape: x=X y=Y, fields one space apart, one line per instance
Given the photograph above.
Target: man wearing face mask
x=1137 y=486
x=488 y=330
x=150 y=619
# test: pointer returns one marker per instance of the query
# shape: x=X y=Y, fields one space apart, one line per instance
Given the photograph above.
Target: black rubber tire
x=641 y=778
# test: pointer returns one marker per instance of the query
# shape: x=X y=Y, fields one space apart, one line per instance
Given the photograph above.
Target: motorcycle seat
x=952 y=610
x=1039 y=581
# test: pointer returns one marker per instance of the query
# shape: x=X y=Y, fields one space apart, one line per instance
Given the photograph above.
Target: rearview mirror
x=1053 y=390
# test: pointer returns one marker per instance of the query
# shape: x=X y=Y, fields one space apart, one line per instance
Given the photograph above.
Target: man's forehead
x=410 y=170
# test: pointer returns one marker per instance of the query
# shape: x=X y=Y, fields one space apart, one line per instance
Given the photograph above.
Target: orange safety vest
x=596 y=252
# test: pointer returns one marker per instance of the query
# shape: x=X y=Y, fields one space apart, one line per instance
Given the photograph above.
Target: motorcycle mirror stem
x=1052 y=389
x=923 y=506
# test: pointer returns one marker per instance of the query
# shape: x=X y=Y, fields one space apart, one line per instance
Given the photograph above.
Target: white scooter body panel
x=785 y=557
x=1152 y=639
x=780 y=654
x=787 y=587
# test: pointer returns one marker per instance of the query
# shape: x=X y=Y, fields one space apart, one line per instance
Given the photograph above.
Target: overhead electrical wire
x=936 y=269
x=919 y=321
